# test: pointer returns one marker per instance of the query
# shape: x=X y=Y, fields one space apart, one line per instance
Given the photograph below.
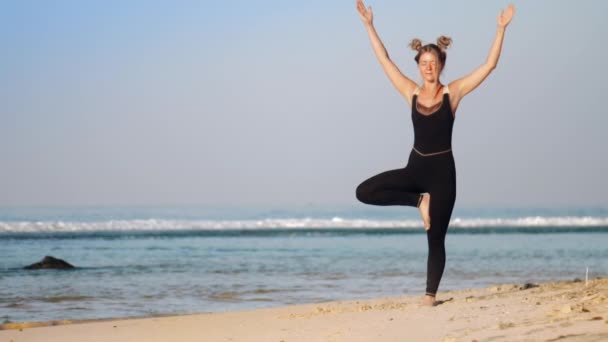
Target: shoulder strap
x=417 y=91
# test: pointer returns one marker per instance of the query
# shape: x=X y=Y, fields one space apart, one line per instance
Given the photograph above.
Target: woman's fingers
x=360 y=6
x=366 y=14
x=510 y=10
x=505 y=16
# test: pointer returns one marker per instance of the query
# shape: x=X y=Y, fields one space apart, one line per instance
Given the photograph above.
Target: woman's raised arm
x=404 y=85
x=460 y=87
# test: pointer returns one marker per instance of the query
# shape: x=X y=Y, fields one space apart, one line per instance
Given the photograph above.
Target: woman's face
x=429 y=67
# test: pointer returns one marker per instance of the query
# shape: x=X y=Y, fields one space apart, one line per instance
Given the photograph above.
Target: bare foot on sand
x=428 y=301
x=424 y=210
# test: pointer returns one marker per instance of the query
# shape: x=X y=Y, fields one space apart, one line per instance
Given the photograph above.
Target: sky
x=284 y=103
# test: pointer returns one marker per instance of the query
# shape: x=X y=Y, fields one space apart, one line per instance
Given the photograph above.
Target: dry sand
x=555 y=311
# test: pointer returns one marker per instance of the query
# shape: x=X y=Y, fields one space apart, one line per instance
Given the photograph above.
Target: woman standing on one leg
x=428 y=181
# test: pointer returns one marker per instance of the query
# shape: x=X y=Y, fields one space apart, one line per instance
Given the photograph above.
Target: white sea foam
x=283 y=223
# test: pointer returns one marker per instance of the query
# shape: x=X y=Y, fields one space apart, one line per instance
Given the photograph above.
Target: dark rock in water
x=50 y=262
x=576 y=280
x=527 y=286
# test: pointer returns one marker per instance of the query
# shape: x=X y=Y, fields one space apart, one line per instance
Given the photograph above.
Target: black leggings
x=435 y=174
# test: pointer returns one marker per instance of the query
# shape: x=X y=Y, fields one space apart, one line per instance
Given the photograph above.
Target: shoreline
x=564 y=310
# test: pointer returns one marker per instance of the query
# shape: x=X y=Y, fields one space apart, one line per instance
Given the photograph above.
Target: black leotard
x=433 y=132
x=430 y=168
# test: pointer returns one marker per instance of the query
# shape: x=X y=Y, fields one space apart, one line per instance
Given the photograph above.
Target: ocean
x=149 y=261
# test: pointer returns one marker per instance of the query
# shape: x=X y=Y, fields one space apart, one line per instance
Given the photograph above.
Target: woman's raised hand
x=366 y=14
x=504 y=18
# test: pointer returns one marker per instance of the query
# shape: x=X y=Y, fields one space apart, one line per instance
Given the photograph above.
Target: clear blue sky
x=280 y=103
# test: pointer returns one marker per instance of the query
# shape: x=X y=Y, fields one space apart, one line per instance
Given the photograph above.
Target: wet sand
x=553 y=311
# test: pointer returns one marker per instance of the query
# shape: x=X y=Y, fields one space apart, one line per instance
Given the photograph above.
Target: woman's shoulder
x=450 y=87
x=416 y=90
x=452 y=96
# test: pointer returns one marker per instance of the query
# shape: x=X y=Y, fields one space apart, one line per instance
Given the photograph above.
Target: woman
x=428 y=181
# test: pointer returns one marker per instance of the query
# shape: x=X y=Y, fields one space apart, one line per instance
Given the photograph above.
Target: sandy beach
x=555 y=311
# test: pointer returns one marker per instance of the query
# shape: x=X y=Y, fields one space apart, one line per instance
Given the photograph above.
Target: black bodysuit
x=431 y=169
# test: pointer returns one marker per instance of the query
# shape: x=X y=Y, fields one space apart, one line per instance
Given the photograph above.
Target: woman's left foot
x=424 y=211
x=428 y=301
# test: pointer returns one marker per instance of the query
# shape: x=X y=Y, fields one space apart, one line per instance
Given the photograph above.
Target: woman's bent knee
x=362 y=193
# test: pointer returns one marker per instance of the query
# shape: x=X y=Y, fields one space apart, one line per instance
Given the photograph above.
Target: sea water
x=133 y=262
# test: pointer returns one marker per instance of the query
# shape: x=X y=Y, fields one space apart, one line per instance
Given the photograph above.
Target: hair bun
x=444 y=42
x=416 y=44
